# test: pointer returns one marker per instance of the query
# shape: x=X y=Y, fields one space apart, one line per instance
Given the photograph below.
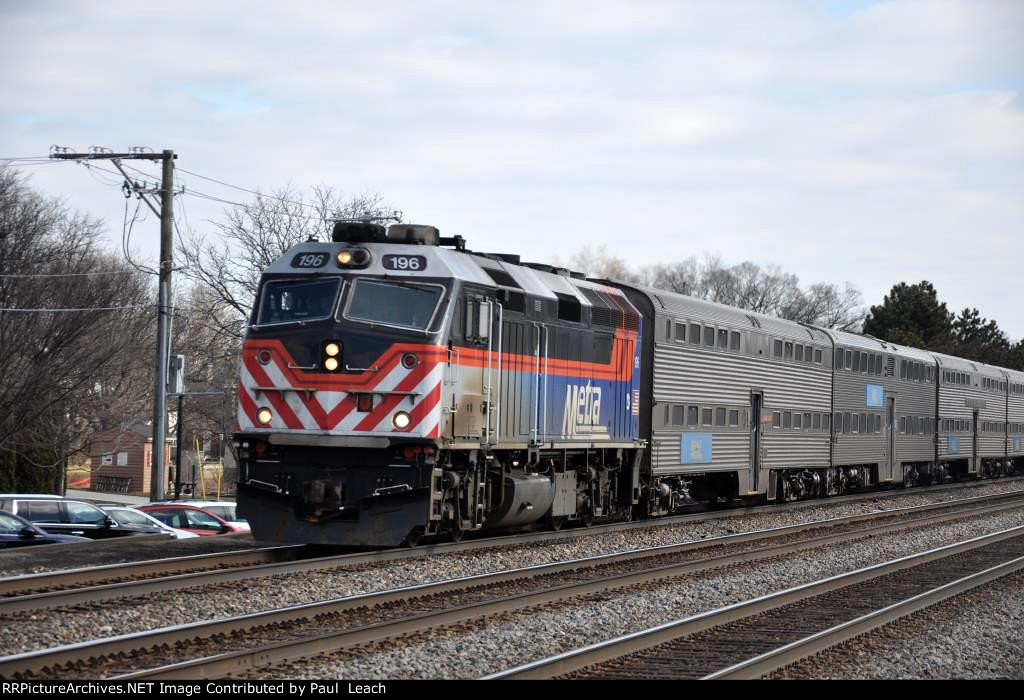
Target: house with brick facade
x=121 y=458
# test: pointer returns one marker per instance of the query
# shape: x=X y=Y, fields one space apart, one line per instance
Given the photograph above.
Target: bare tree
x=767 y=290
x=251 y=237
x=72 y=321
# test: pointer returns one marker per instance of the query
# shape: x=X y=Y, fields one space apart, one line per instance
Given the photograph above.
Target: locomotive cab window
x=392 y=303
x=297 y=301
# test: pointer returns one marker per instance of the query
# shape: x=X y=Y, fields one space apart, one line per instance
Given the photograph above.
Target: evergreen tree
x=912 y=315
x=977 y=338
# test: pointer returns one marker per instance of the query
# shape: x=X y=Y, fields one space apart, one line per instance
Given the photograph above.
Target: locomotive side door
x=476 y=369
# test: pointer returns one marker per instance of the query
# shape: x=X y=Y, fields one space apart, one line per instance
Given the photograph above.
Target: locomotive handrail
x=307 y=390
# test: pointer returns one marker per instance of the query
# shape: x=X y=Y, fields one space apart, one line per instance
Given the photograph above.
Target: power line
x=70 y=274
x=255 y=192
x=85 y=308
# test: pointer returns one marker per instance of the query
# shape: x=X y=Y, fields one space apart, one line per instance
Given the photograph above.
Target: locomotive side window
x=292 y=301
x=394 y=304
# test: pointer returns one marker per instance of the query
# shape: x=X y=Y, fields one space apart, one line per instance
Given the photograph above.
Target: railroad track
x=762 y=635
x=239 y=644
x=71 y=587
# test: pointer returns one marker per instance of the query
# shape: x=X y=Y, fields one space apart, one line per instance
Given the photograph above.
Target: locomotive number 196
x=309 y=260
x=409 y=263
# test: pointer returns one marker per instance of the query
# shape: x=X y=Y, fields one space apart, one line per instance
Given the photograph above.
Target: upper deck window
x=295 y=301
x=393 y=303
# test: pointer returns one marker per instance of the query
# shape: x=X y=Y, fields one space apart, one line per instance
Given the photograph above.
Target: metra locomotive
x=395 y=385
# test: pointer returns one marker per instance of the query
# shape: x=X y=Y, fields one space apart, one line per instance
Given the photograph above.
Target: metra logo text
x=582 y=413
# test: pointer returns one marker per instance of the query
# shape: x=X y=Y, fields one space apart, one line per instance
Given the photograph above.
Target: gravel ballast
x=32 y=630
x=480 y=651
x=975 y=635
x=122 y=550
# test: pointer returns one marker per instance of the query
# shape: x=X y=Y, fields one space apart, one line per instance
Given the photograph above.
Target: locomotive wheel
x=413 y=538
x=556 y=523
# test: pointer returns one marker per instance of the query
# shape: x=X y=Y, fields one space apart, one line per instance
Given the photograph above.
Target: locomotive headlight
x=344 y=257
x=401 y=420
x=264 y=416
x=332 y=349
x=331 y=364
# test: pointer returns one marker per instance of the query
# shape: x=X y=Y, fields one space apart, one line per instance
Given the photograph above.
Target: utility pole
x=163 y=339
x=166 y=213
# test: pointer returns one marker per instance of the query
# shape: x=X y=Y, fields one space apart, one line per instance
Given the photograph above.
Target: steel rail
x=826 y=639
x=99 y=574
x=235 y=662
x=644 y=640
x=78 y=596
x=149 y=567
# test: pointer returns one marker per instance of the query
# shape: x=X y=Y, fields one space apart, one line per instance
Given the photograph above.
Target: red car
x=190 y=519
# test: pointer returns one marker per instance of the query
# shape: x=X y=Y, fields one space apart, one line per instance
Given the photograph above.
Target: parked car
x=18 y=532
x=59 y=516
x=225 y=510
x=129 y=517
x=191 y=519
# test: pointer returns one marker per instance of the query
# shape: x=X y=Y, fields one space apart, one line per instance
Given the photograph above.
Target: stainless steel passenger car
x=884 y=408
x=738 y=398
x=967 y=407
x=1014 y=414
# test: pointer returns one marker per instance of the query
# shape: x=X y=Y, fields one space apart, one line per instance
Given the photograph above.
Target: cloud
x=889 y=133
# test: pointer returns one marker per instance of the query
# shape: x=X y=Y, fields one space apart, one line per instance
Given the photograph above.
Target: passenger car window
x=799 y=353
x=85 y=514
x=695 y=334
x=734 y=341
x=723 y=338
x=681 y=332
x=720 y=416
x=40 y=511
x=9 y=525
x=777 y=348
x=734 y=418
x=692 y=415
x=199 y=519
x=709 y=336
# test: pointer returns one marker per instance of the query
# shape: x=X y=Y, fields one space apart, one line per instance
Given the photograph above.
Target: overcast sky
x=874 y=142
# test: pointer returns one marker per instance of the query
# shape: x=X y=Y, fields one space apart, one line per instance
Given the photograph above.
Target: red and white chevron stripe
x=325 y=403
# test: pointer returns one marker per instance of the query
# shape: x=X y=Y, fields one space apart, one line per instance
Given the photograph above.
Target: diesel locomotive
x=395 y=385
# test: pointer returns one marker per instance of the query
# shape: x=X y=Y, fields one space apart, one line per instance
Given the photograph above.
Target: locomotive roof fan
x=419 y=234
x=415 y=234
x=358 y=232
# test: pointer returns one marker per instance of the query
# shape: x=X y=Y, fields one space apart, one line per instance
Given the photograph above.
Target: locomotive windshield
x=292 y=301
x=392 y=303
